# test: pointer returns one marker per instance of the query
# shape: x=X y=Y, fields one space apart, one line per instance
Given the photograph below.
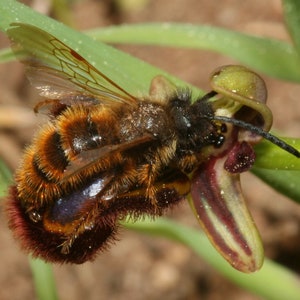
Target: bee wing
x=57 y=70
x=88 y=158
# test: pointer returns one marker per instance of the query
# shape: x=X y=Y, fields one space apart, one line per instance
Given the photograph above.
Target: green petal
x=242 y=87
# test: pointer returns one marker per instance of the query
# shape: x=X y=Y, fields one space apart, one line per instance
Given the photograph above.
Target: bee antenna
x=257 y=130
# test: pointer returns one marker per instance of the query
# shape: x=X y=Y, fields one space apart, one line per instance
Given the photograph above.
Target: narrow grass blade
x=273 y=57
x=43 y=280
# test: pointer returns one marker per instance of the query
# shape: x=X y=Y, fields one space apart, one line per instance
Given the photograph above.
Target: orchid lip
x=221 y=210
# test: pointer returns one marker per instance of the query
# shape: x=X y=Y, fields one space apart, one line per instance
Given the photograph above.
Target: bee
x=104 y=154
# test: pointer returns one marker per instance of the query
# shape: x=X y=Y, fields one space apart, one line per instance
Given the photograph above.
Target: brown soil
x=141 y=267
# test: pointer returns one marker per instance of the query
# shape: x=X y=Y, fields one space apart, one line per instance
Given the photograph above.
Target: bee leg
x=151 y=170
x=146 y=177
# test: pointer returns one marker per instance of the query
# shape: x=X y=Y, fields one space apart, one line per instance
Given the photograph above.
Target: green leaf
x=128 y=72
x=285 y=182
x=5 y=179
x=291 y=9
x=278 y=168
x=272 y=282
x=43 y=280
x=270 y=156
x=273 y=57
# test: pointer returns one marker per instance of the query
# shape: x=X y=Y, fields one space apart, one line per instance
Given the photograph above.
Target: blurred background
x=141 y=267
